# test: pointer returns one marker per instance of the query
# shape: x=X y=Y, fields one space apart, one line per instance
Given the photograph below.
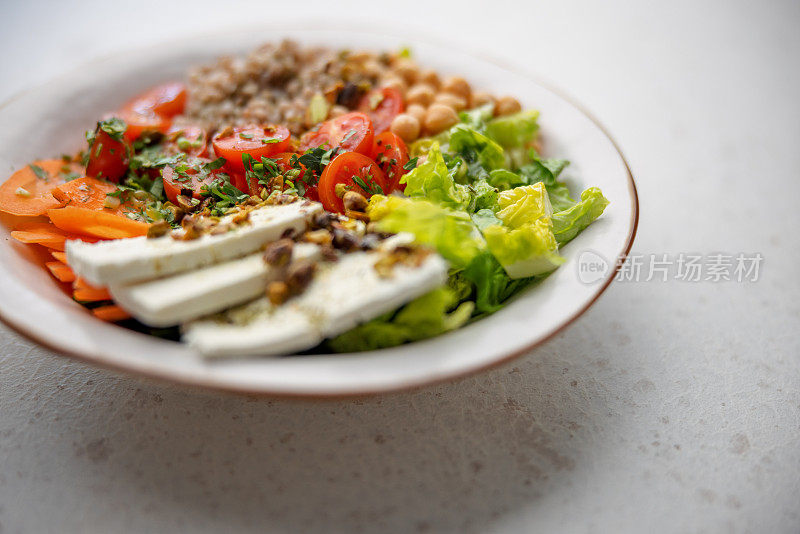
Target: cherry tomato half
x=390 y=153
x=153 y=109
x=382 y=105
x=258 y=141
x=191 y=140
x=108 y=157
x=351 y=132
x=357 y=172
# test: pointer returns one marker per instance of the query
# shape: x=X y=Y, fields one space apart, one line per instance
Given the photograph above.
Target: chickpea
x=406 y=126
x=507 y=105
x=458 y=86
x=395 y=82
x=439 y=117
x=372 y=68
x=449 y=99
x=430 y=77
x=417 y=111
x=420 y=94
x=479 y=98
x=407 y=69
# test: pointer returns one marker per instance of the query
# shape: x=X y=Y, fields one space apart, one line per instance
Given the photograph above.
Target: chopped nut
x=241 y=217
x=185 y=203
x=354 y=201
x=319 y=237
x=300 y=274
x=340 y=190
x=329 y=253
x=158 y=229
x=323 y=220
x=219 y=229
x=361 y=216
x=344 y=240
x=277 y=292
x=279 y=252
x=226 y=131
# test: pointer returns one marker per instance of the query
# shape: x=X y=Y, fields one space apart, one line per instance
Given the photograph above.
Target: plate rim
x=234 y=389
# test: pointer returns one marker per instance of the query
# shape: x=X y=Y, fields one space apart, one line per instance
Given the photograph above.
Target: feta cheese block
x=176 y=299
x=341 y=295
x=140 y=258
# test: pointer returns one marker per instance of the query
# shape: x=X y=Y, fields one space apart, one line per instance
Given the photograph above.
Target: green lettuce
x=450 y=232
x=514 y=131
x=432 y=314
x=524 y=251
x=523 y=205
x=433 y=181
x=476 y=147
x=570 y=222
x=547 y=172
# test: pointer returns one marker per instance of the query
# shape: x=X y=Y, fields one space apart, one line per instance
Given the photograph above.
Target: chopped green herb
x=39 y=172
x=411 y=164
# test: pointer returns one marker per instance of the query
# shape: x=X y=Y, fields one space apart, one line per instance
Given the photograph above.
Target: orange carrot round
x=28 y=191
x=96 y=223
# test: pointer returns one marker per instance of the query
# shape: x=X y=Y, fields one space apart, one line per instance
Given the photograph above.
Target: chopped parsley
x=411 y=164
x=368 y=186
x=39 y=172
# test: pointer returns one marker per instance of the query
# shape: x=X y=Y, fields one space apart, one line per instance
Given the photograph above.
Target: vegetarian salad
x=300 y=199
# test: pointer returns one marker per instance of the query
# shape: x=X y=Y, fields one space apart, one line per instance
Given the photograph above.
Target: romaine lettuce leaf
x=570 y=222
x=547 y=172
x=485 y=217
x=432 y=181
x=449 y=231
x=514 y=131
x=523 y=205
x=526 y=250
x=422 y=318
x=476 y=147
x=476 y=118
x=504 y=179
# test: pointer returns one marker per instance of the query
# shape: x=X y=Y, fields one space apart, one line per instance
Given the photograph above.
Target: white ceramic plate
x=51 y=119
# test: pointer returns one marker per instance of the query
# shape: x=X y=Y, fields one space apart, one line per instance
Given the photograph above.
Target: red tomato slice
x=382 y=106
x=174 y=183
x=141 y=121
x=190 y=139
x=108 y=157
x=351 y=132
x=153 y=109
x=349 y=169
x=258 y=141
x=390 y=153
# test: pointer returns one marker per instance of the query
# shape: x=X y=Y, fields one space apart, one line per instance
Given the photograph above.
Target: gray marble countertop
x=668 y=407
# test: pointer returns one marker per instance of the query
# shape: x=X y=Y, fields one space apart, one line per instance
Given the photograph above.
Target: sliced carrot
x=86 y=192
x=91 y=294
x=96 y=223
x=60 y=256
x=42 y=234
x=86 y=292
x=29 y=190
x=111 y=313
x=60 y=271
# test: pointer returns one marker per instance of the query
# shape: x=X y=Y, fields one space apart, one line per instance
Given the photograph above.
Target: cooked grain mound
x=274 y=84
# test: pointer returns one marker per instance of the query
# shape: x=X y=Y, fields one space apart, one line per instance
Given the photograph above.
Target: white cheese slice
x=186 y=296
x=342 y=295
x=139 y=258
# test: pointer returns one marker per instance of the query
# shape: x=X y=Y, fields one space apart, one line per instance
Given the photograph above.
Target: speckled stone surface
x=668 y=407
